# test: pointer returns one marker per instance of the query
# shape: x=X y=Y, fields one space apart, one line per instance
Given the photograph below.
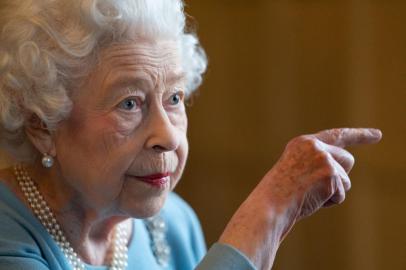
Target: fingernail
x=376 y=132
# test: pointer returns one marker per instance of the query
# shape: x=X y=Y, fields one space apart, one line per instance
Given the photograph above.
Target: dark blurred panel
x=282 y=68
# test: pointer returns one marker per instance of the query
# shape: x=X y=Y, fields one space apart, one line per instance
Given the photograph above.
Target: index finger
x=343 y=137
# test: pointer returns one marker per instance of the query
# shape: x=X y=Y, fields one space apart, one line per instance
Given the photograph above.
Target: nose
x=162 y=134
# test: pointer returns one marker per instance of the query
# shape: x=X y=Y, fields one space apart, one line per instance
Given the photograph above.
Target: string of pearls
x=156 y=228
x=47 y=218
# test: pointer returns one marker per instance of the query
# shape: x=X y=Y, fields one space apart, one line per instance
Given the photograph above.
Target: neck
x=89 y=231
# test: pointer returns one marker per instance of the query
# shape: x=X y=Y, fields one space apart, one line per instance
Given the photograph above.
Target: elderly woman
x=92 y=107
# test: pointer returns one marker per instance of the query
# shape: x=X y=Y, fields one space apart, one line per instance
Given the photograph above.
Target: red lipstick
x=156 y=180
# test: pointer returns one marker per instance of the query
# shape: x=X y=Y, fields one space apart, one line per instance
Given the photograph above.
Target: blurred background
x=281 y=68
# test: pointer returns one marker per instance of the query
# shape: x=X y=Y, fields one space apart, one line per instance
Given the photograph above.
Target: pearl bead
x=47 y=218
x=47 y=161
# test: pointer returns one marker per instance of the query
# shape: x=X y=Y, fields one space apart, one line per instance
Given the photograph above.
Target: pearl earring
x=47 y=161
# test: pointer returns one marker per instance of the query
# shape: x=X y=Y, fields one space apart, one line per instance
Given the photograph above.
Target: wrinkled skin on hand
x=313 y=170
x=312 y=173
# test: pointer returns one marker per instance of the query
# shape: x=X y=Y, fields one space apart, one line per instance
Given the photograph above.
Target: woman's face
x=124 y=146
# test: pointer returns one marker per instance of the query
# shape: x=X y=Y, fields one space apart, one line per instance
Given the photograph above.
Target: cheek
x=93 y=158
x=90 y=137
x=100 y=130
x=182 y=154
x=125 y=125
x=83 y=153
x=95 y=146
x=116 y=138
x=184 y=151
x=180 y=121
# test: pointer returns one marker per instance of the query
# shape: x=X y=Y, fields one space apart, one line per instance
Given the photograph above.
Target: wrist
x=285 y=200
x=257 y=230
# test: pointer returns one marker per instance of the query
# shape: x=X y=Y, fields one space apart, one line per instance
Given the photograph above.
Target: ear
x=40 y=136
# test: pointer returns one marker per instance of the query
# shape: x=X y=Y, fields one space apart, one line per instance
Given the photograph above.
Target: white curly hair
x=46 y=46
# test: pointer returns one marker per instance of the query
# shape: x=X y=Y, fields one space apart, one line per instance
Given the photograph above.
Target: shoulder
x=16 y=221
x=23 y=241
x=14 y=230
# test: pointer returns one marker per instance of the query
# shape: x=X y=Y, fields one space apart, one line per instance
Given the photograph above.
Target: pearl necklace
x=47 y=218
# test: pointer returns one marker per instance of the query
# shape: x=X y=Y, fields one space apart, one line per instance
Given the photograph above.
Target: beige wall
x=282 y=68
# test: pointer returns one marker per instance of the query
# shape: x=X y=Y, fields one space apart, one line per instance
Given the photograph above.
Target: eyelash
x=133 y=103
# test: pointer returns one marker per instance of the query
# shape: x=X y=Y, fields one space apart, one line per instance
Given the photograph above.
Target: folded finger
x=340 y=155
x=345 y=179
x=339 y=195
x=342 y=184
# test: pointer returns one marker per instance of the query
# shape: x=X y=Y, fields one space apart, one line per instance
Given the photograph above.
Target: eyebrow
x=123 y=83
x=144 y=81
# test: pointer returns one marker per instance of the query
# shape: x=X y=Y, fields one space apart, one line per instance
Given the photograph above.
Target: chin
x=147 y=207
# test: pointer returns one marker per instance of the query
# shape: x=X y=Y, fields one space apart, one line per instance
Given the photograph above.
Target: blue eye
x=128 y=104
x=175 y=99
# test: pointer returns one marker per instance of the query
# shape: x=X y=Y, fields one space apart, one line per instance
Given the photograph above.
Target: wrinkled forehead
x=161 y=53
x=157 y=61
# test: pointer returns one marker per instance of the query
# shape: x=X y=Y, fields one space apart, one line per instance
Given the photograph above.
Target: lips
x=156 y=180
x=154 y=176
